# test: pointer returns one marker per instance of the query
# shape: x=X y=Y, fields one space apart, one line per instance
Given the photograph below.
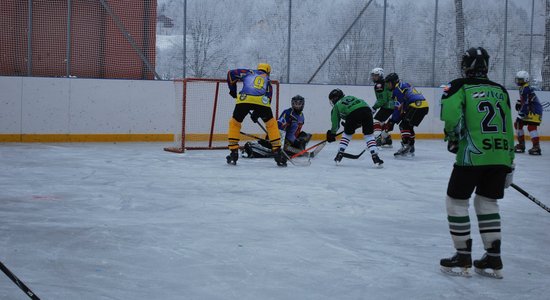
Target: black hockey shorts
x=383 y=114
x=242 y=109
x=413 y=116
x=361 y=117
x=488 y=181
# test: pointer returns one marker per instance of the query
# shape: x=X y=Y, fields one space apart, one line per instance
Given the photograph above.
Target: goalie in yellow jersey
x=255 y=96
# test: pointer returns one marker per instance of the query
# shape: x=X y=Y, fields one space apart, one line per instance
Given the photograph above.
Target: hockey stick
x=318 y=144
x=18 y=282
x=354 y=156
x=531 y=197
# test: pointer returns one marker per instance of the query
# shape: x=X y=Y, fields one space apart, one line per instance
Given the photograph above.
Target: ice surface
x=130 y=221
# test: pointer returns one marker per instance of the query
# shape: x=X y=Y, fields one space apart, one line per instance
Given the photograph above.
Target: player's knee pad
x=457 y=207
x=484 y=205
x=233 y=133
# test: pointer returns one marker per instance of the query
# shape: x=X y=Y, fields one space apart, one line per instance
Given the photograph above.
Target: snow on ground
x=130 y=221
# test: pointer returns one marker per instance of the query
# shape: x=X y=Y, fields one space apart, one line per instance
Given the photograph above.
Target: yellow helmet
x=264 y=67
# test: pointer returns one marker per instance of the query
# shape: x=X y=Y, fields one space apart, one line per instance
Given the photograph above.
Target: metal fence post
x=434 y=42
x=184 y=37
x=68 y=55
x=505 y=42
x=289 y=40
x=384 y=33
x=531 y=35
x=29 y=39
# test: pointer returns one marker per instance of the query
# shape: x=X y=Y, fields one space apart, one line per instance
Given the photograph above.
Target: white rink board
x=101 y=106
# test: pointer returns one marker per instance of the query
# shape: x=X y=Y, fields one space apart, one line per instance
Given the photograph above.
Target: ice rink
x=131 y=221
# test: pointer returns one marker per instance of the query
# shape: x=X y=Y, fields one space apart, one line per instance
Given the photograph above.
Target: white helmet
x=377 y=72
x=522 y=77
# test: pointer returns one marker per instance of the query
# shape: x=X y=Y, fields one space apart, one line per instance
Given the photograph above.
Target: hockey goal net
x=203 y=108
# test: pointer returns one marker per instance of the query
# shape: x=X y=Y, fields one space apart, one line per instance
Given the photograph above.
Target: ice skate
x=490 y=261
x=377 y=161
x=460 y=264
x=519 y=148
x=233 y=157
x=280 y=158
x=405 y=151
x=535 y=150
x=384 y=140
x=339 y=156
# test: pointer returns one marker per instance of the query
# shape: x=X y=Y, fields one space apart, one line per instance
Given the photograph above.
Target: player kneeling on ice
x=290 y=126
x=478 y=122
x=356 y=113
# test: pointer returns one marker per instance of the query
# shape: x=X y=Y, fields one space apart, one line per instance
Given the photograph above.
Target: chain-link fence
x=307 y=41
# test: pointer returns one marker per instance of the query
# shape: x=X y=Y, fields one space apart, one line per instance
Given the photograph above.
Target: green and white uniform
x=477 y=114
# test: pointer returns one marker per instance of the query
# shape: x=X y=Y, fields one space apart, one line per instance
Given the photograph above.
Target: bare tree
x=459 y=33
x=546 y=51
x=207 y=53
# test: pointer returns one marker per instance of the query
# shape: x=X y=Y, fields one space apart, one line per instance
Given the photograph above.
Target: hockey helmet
x=392 y=79
x=376 y=74
x=475 y=62
x=522 y=77
x=335 y=95
x=297 y=103
x=264 y=67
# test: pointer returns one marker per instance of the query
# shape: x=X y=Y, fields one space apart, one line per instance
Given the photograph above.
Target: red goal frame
x=180 y=136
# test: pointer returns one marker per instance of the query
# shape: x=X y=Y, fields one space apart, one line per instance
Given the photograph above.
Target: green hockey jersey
x=477 y=114
x=343 y=108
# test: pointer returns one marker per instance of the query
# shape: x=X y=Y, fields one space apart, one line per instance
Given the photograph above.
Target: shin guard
x=273 y=133
x=234 y=134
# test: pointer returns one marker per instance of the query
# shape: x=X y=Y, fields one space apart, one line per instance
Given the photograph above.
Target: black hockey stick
x=18 y=282
x=531 y=197
x=353 y=156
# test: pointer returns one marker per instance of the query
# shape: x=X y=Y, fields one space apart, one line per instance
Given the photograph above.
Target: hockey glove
x=233 y=94
x=452 y=146
x=510 y=177
x=518 y=105
x=331 y=137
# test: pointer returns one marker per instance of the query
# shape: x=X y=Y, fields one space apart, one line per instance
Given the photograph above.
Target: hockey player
x=356 y=113
x=384 y=104
x=529 y=113
x=290 y=126
x=255 y=96
x=477 y=117
x=410 y=109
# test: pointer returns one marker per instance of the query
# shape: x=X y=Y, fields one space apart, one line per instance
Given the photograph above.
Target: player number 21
x=489 y=109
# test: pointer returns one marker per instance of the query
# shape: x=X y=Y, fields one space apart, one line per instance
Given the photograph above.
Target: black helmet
x=335 y=95
x=297 y=103
x=393 y=79
x=475 y=62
